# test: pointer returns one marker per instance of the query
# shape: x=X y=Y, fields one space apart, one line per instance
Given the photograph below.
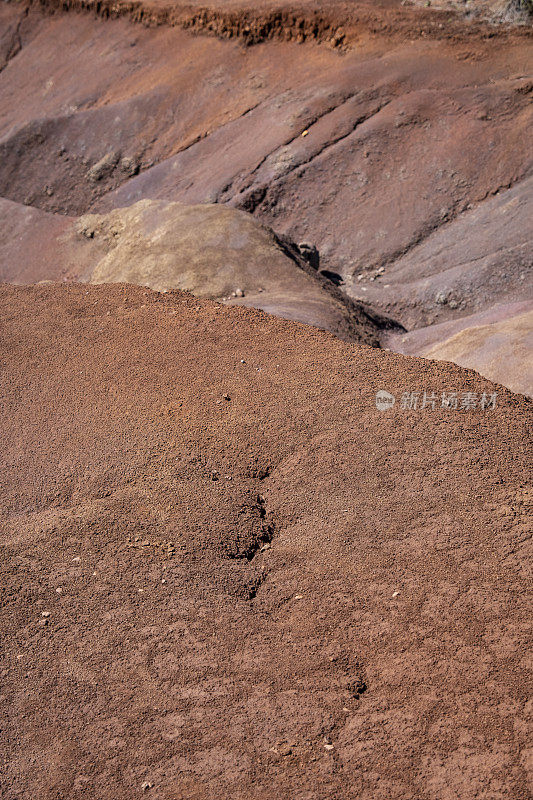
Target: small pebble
x=395 y=594
x=45 y=614
x=59 y=590
x=284 y=749
x=298 y=597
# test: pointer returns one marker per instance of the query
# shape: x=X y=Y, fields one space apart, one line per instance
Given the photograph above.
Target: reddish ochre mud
x=226 y=574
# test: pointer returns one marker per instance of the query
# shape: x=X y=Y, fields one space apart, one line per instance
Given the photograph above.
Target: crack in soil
x=259 y=531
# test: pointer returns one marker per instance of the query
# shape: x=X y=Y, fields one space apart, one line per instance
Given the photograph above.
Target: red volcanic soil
x=226 y=574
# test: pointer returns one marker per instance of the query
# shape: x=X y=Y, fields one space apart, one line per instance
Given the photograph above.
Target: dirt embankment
x=339 y=24
x=226 y=574
x=403 y=164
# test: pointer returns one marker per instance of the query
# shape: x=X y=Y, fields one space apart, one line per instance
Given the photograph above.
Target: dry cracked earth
x=228 y=570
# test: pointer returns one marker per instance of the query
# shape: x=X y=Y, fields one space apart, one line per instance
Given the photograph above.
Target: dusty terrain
x=228 y=569
x=226 y=574
x=398 y=149
x=210 y=250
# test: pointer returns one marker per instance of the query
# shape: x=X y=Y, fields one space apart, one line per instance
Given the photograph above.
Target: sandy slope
x=153 y=447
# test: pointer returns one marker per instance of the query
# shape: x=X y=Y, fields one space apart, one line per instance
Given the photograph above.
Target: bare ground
x=226 y=574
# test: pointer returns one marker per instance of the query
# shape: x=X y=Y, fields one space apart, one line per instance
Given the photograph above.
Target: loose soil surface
x=226 y=574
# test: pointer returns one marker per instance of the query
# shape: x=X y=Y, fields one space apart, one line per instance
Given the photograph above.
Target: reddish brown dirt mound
x=226 y=574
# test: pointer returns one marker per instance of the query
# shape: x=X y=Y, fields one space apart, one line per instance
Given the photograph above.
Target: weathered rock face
x=210 y=250
x=501 y=348
x=228 y=569
x=480 y=260
x=221 y=253
x=36 y=245
x=153 y=445
x=471 y=284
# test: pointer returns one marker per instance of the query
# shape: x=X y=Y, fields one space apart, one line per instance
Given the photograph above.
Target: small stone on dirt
x=310 y=253
x=285 y=749
x=129 y=166
x=103 y=168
